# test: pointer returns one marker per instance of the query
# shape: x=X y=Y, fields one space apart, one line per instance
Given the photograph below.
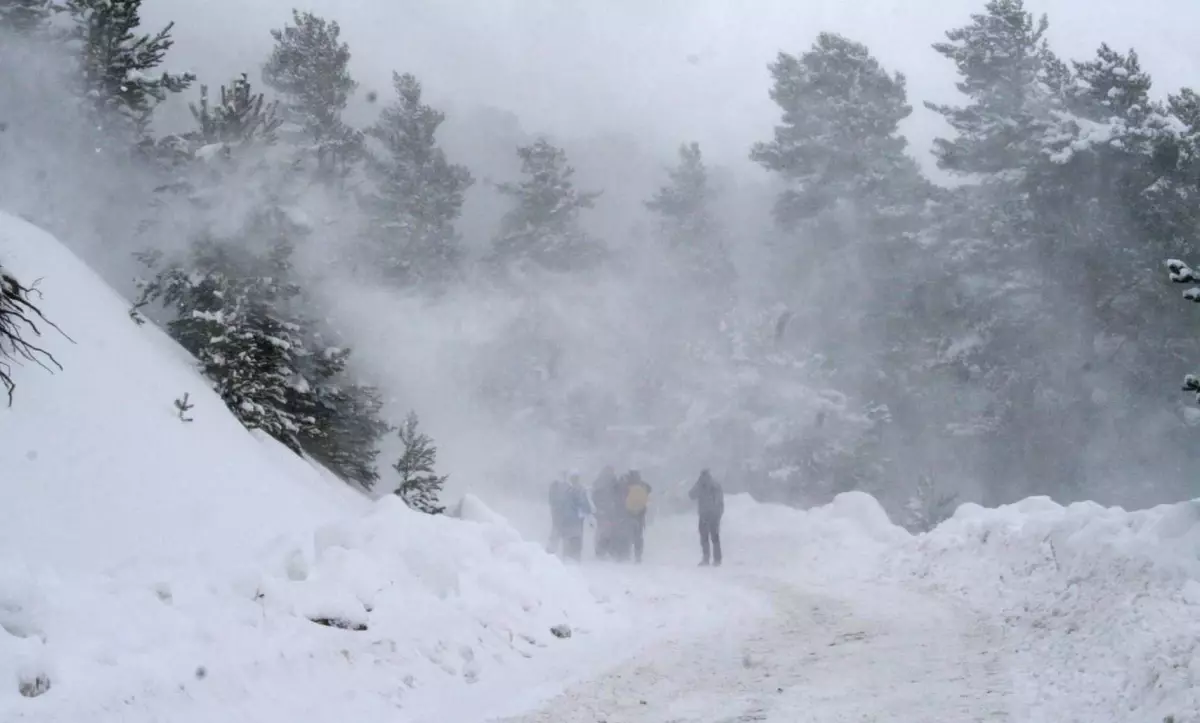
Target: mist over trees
x=846 y=324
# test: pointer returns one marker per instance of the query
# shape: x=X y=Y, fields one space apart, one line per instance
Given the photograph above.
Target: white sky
x=582 y=65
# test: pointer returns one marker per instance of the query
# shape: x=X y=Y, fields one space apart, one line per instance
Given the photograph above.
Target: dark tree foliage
x=119 y=65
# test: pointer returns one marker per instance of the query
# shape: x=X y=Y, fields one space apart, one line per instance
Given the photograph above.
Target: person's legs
x=704 y=543
x=639 y=536
x=715 y=532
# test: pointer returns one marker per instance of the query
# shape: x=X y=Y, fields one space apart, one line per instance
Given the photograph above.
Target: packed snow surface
x=153 y=569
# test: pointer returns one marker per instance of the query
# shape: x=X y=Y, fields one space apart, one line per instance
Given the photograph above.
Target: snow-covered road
x=781 y=640
x=853 y=654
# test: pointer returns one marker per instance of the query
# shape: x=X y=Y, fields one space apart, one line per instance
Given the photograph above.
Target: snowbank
x=1103 y=605
x=843 y=539
x=157 y=569
x=98 y=469
x=358 y=620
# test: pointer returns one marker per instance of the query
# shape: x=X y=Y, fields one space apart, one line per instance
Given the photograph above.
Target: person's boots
x=704 y=562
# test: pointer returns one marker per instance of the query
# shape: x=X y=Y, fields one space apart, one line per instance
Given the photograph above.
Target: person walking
x=710 y=506
x=637 y=499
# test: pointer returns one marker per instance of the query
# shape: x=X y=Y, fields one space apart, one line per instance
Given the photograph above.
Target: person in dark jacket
x=636 y=499
x=710 y=504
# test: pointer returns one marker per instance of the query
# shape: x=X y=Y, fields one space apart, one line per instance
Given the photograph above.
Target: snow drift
x=154 y=569
x=1103 y=604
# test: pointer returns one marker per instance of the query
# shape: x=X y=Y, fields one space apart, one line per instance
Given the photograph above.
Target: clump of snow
x=1103 y=604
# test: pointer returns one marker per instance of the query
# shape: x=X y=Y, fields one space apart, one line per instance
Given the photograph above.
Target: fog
x=633 y=365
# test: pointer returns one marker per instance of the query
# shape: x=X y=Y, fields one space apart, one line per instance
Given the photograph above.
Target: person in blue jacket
x=576 y=509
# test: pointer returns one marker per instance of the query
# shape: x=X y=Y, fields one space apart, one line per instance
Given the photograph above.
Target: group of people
x=619 y=503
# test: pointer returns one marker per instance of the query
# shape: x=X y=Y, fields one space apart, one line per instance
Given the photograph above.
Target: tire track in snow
x=860 y=653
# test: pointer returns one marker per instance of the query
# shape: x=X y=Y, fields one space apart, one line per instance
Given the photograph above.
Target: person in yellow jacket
x=637 y=500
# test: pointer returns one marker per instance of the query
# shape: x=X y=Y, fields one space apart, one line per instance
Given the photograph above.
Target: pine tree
x=118 y=66
x=839 y=140
x=19 y=318
x=418 y=193
x=856 y=196
x=688 y=223
x=347 y=425
x=1014 y=83
x=543 y=227
x=24 y=16
x=309 y=68
x=230 y=312
x=349 y=417
x=419 y=486
x=241 y=117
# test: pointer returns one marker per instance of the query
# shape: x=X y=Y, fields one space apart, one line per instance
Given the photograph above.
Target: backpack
x=636 y=498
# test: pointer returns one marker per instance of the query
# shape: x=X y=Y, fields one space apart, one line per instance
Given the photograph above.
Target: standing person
x=558 y=504
x=577 y=509
x=710 y=504
x=602 y=497
x=637 y=499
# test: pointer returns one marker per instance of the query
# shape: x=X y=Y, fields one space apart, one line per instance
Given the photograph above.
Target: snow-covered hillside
x=98 y=469
x=157 y=569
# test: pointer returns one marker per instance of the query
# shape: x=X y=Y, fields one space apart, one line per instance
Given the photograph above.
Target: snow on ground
x=154 y=569
x=1032 y=612
x=1103 y=605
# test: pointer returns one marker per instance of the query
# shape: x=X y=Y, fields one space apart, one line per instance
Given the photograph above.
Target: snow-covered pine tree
x=119 y=67
x=849 y=215
x=688 y=223
x=241 y=116
x=1013 y=82
x=19 y=319
x=347 y=425
x=309 y=68
x=839 y=139
x=230 y=312
x=419 y=486
x=543 y=227
x=24 y=16
x=418 y=194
